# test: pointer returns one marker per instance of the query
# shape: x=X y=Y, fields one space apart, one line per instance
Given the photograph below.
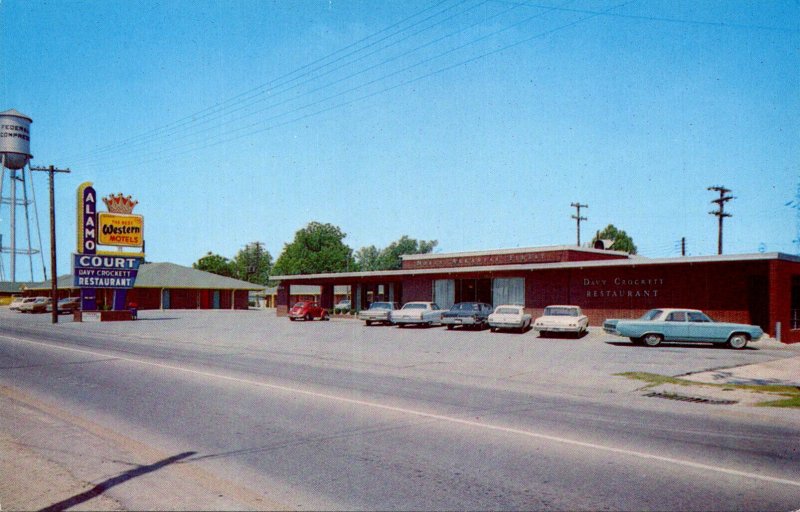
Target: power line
x=283 y=79
x=370 y=95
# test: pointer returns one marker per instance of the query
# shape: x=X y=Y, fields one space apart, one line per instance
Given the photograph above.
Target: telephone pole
x=720 y=212
x=53 y=273
x=578 y=217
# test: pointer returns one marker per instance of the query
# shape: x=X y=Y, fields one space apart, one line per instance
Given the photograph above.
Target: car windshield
x=415 y=305
x=300 y=304
x=381 y=305
x=507 y=311
x=651 y=315
x=560 y=312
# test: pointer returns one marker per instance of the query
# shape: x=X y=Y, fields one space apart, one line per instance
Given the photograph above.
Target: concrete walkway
x=782 y=372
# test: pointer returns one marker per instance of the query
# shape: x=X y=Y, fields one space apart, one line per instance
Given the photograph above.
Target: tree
x=253 y=264
x=215 y=264
x=317 y=248
x=622 y=242
x=390 y=256
x=368 y=258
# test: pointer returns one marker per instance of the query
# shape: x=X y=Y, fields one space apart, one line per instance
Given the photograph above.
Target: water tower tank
x=15 y=139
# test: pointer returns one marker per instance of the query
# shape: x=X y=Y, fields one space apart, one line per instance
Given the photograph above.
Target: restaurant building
x=166 y=286
x=760 y=289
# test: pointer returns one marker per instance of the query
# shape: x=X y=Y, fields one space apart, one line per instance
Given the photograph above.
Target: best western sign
x=120 y=229
x=93 y=271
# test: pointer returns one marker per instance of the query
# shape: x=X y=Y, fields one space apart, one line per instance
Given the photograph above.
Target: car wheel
x=401 y=325
x=308 y=317
x=738 y=341
x=325 y=317
x=449 y=327
x=369 y=322
x=291 y=318
x=652 y=340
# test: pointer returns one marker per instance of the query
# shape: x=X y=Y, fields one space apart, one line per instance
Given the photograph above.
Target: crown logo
x=119 y=203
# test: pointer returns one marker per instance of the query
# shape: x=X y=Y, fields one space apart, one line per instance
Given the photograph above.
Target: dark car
x=66 y=305
x=307 y=311
x=471 y=314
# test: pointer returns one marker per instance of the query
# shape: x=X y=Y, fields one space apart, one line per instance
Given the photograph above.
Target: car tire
x=449 y=327
x=738 y=341
x=369 y=322
x=652 y=339
x=292 y=319
x=308 y=317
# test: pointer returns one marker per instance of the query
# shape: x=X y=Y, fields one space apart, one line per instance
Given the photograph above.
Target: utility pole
x=720 y=212
x=53 y=273
x=683 y=246
x=578 y=217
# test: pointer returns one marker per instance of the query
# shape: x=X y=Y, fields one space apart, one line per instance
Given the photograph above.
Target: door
x=165 y=299
x=675 y=326
x=215 y=300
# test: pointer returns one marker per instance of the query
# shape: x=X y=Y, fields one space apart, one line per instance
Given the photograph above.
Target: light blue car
x=658 y=325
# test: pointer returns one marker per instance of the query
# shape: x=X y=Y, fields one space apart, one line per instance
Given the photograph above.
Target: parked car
x=378 y=312
x=37 y=305
x=343 y=306
x=307 y=311
x=418 y=313
x=66 y=305
x=509 y=316
x=567 y=319
x=667 y=324
x=472 y=314
x=17 y=301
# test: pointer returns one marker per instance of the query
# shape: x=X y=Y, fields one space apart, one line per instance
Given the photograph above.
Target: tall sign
x=95 y=269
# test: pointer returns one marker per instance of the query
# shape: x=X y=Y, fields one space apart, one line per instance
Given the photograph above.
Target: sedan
x=567 y=319
x=378 y=312
x=307 y=311
x=418 y=313
x=509 y=317
x=467 y=314
x=38 y=305
x=667 y=324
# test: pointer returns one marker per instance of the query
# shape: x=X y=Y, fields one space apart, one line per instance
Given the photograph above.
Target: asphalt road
x=335 y=415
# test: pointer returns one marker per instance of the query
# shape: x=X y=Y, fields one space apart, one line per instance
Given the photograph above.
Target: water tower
x=15 y=153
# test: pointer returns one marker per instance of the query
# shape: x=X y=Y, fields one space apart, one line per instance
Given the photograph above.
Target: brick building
x=762 y=289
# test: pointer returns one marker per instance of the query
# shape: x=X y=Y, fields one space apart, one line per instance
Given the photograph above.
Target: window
x=676 y=316
x=696 y=316
x=508 y=290
x=444 y=292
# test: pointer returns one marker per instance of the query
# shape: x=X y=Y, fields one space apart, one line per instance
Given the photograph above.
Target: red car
x=307 y=311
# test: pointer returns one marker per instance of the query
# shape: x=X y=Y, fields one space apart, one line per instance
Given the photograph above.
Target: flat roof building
x=762 y=289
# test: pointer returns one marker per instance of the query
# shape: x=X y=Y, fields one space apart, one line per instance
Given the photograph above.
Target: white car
x=509 y=316
x=378 y=312
x=418 y=313
x=568 y=319
x=343 y=306
x=17 y=301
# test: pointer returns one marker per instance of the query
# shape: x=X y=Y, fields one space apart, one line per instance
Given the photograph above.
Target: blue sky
x=475 y=123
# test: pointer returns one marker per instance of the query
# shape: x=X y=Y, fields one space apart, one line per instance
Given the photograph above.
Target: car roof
x=563 y=306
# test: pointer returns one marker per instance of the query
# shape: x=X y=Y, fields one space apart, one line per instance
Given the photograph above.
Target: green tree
x=215 y=264
x=317 y=248
x=368 y=258
x=390 y=256
x=253 y=264
x=622 y=242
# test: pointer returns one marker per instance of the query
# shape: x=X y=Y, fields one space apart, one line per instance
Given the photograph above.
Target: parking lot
x=586 y=365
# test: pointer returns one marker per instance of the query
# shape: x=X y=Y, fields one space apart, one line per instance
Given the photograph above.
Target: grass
x=792 y=393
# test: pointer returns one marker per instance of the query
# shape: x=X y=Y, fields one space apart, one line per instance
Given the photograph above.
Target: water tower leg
x=28 y=217
x=13 y=219
x=2 y=179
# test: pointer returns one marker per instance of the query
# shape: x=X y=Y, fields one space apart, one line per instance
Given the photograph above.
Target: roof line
x=544 y=266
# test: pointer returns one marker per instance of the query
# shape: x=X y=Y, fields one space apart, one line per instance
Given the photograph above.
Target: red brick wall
x=420 y=289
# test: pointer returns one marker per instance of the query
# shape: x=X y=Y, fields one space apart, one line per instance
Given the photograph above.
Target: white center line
x=427 y=415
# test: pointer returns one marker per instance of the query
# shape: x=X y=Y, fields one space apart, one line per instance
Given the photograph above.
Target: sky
x=475 y=123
